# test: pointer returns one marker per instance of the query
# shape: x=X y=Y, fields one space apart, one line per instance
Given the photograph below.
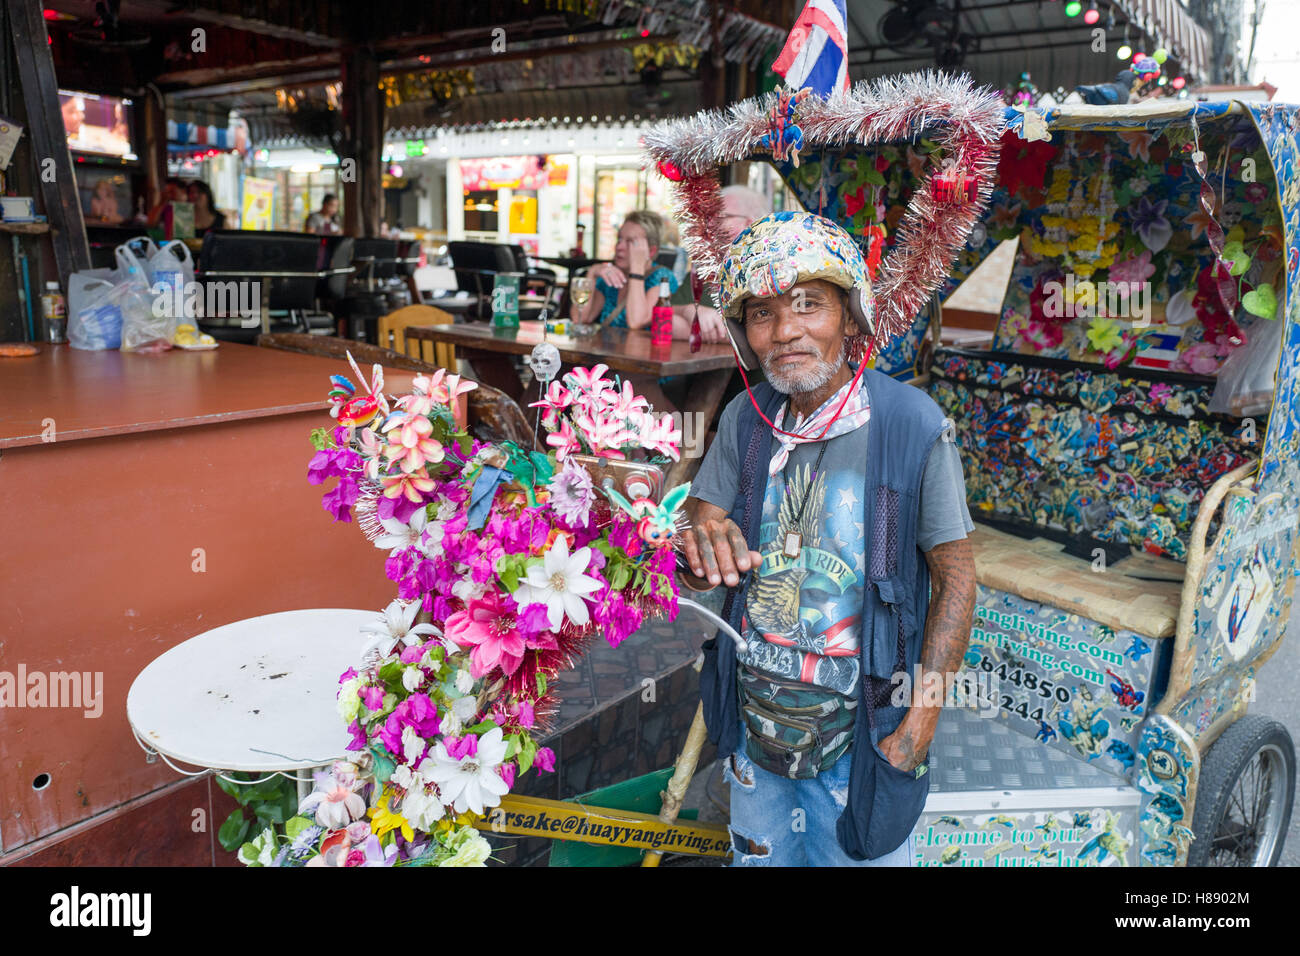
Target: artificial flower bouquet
x=507 y=561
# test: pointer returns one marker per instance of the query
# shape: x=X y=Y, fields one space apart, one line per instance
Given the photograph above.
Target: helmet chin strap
x=871 y=348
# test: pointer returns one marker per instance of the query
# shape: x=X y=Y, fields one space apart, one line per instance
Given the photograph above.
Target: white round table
x=257 y=695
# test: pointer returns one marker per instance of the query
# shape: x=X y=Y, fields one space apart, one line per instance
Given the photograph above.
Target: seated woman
x=626 y=289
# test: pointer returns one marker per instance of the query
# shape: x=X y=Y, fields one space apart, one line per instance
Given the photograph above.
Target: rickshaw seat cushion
x=1116 y=458
x=1040 y=571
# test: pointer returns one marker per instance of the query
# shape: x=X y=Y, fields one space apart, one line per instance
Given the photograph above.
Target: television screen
x=97 y=124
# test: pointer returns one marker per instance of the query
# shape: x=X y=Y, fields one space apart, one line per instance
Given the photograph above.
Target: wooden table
x=627 y=352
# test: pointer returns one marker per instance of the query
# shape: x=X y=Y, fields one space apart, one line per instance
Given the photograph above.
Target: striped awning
x=1173 y=28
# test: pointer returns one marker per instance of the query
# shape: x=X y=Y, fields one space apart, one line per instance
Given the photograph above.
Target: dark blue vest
x=883 y=802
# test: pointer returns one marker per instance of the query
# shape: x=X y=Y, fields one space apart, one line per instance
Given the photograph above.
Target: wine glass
x=580 y=289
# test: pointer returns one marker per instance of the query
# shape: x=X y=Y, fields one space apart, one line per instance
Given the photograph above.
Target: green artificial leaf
x=321 y=439
x=482 y=727
x=873 y=176
x=1261 y=302
x=512 y=746
x=1235 y=258
x=541 y=684
x=295 y=825
x=526 y=755
x=233 y=830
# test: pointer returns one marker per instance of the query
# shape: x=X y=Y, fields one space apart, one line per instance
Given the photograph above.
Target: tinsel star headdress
x=964 y=121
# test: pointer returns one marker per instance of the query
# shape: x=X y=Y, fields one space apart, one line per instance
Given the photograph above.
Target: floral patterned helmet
x=783 y=249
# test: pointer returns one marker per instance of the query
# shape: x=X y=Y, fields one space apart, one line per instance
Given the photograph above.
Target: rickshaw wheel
x=1243 y=804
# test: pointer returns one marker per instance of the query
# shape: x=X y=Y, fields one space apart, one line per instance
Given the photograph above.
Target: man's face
x=734 y=219
x=799 y=336
x=328 y=209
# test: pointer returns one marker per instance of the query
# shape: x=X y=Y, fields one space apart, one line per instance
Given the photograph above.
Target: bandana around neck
x=857 y=411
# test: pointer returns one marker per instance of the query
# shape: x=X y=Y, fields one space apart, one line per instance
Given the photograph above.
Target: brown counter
x=172 y=499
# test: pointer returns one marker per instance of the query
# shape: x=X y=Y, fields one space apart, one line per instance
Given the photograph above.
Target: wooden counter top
x=97 y=394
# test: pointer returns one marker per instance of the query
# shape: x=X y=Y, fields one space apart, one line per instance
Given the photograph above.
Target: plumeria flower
x=335 y=804
x=560 y=584
x=466 y=774
x=400 y=535
x=413 y=447
x=411 y=486
x=397 y=626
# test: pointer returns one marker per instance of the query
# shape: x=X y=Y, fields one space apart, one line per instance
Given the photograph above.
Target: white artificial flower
x=413 y=679
x=471 y=782
x=412 y=744
x=468 y=590
x=431 y=544
x=400 y=535
x=560 y=584
x=422 y=805
x=396 y=626
x=334 y=802
x=446 y=508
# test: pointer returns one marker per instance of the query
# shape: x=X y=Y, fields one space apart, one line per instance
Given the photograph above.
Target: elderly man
x=837 y=520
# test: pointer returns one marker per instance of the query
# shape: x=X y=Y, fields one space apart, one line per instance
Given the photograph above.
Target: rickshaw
x=1135 y=531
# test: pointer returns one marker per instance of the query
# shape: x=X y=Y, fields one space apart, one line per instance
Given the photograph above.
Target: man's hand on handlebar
x=715 y=547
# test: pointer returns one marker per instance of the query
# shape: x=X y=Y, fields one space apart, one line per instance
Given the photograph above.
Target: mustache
x=780 y=352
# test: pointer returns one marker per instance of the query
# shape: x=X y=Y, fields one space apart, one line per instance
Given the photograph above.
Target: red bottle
x=661 y=318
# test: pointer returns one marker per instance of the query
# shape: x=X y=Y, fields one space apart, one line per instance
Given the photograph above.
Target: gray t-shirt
x=803 y=615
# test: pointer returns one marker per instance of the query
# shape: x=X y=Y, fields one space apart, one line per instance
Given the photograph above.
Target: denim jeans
x=792 y=822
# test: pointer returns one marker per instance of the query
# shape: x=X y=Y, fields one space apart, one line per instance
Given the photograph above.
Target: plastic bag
x=147 y=325
x=130 y=267
x=1245 y=385
x=94 y=315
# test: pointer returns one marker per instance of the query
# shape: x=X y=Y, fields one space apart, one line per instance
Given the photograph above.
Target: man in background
x=325 y=221
x=740 y=207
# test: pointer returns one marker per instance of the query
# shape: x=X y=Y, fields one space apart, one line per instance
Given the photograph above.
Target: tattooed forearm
x=952 y=606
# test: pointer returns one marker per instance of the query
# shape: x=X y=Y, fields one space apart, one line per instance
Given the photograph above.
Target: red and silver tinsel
x=966 y=122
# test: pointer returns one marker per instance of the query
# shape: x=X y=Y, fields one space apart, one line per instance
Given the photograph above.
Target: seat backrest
x=378 y=258
x=1084 y=454
x=226 y=252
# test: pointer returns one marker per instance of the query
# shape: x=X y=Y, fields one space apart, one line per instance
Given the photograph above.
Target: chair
x=493 y=415
x=392 y=334
x=476 y=265
x=284 y=264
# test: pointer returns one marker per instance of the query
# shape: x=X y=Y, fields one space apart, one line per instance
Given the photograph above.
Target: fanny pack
x=795 y=730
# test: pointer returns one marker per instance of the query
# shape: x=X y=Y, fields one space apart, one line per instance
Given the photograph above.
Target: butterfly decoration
x=657 y=523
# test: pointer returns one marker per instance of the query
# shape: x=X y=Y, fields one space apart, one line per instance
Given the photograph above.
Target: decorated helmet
x=783 y=249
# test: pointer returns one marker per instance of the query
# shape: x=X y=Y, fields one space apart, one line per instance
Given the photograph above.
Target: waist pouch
x=794 y=730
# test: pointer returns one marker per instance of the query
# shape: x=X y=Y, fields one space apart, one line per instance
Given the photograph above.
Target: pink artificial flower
x=1200 y=359
x=461 y=747
x=589 y=380
x=507 y=771
x=662 y=436
x=411 y=486
x=545 y=759
x=1132 y=270
x=556 y=400
x=628 y=402
x=1160 y=393
x=563 y=440
x=489 y=626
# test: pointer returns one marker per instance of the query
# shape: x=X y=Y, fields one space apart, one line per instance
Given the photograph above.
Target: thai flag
x=1158 y=350
x=816 y=52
